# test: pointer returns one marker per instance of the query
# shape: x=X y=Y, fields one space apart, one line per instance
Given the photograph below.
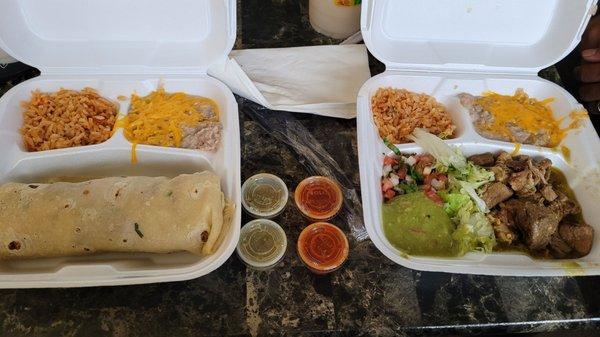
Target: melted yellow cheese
x=157 y=119
x=528 y=113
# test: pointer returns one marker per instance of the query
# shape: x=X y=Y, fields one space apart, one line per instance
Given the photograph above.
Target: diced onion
x=386 y=170
x=394 y=179
x=438 y=185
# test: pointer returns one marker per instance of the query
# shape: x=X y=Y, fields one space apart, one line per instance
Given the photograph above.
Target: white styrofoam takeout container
x=445 y=47
x=118 y=48
x=5 y=59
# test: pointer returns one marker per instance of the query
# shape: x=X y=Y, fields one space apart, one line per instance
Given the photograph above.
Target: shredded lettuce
x=474 y=233
x=453 y=202
x=461 y=173
x=468 y=189
x=461 y=201
x=476 y=176
x=444 y=154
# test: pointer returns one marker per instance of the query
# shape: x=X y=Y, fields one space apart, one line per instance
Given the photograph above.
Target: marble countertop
x=370 y=295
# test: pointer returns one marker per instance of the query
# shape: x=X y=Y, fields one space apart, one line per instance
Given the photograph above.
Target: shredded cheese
x=530 y=114
x=576 y=116
x=516 y=150
x=566 y=152
x=133 y=153
x=157 y=119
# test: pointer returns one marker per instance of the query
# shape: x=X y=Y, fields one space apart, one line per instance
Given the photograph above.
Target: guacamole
x=418 y=226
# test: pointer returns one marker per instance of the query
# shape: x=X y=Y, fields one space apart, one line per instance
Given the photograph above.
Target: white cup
x=335 y=18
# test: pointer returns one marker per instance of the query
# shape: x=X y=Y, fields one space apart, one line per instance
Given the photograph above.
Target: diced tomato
x=389 y=194
x=387 y=160
x=433 y=196
x=401 y=173
x=443 y=178
x=442 y=182
x=386 y=185
x=425 y=159
x=440 y=177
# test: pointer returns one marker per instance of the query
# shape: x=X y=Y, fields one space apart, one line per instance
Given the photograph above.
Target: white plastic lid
x=116 y=36
x=507 y=35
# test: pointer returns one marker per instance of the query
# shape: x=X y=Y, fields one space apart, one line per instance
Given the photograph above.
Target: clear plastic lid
x=264 y=195
x=114 y=36
x=323 y=247
x=512 y=35
x=318 y=198
x=262 y=244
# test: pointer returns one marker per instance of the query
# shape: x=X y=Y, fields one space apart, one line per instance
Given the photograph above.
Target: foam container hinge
x=135 y=55
x=489 y=72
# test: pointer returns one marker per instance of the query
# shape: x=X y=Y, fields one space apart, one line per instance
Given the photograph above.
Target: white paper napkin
x=322 y=80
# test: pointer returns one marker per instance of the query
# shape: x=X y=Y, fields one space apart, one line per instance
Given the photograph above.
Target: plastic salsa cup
x=262 y=244
x=264 y=195
x=323 y=247
x=318 y=198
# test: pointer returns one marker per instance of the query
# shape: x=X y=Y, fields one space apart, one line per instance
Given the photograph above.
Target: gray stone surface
x=370 y=295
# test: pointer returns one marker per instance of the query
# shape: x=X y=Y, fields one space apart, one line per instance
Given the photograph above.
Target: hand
x=589 y=70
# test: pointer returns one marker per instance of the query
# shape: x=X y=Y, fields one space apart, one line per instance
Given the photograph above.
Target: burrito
x=116 y=214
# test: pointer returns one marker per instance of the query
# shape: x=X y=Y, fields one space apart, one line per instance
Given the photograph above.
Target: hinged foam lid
x=118 y=36
x=478 y=35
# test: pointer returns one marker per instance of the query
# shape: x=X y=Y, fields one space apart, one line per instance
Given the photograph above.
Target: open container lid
x=116 y=36
x=474 y=35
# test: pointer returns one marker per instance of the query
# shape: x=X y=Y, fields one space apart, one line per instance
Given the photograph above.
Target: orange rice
x=66 y=118
x=397 y=112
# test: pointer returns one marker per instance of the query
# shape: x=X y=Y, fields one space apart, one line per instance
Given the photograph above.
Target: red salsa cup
x=318 y=198
x=323 y=247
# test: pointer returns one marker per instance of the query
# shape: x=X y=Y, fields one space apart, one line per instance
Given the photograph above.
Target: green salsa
x=418 y=226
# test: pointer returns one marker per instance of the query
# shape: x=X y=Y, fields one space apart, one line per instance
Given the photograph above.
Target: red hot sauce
x=318 y=198
x=323 y=247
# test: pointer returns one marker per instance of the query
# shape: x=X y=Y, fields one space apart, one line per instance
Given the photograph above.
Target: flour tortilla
x=185 y=213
